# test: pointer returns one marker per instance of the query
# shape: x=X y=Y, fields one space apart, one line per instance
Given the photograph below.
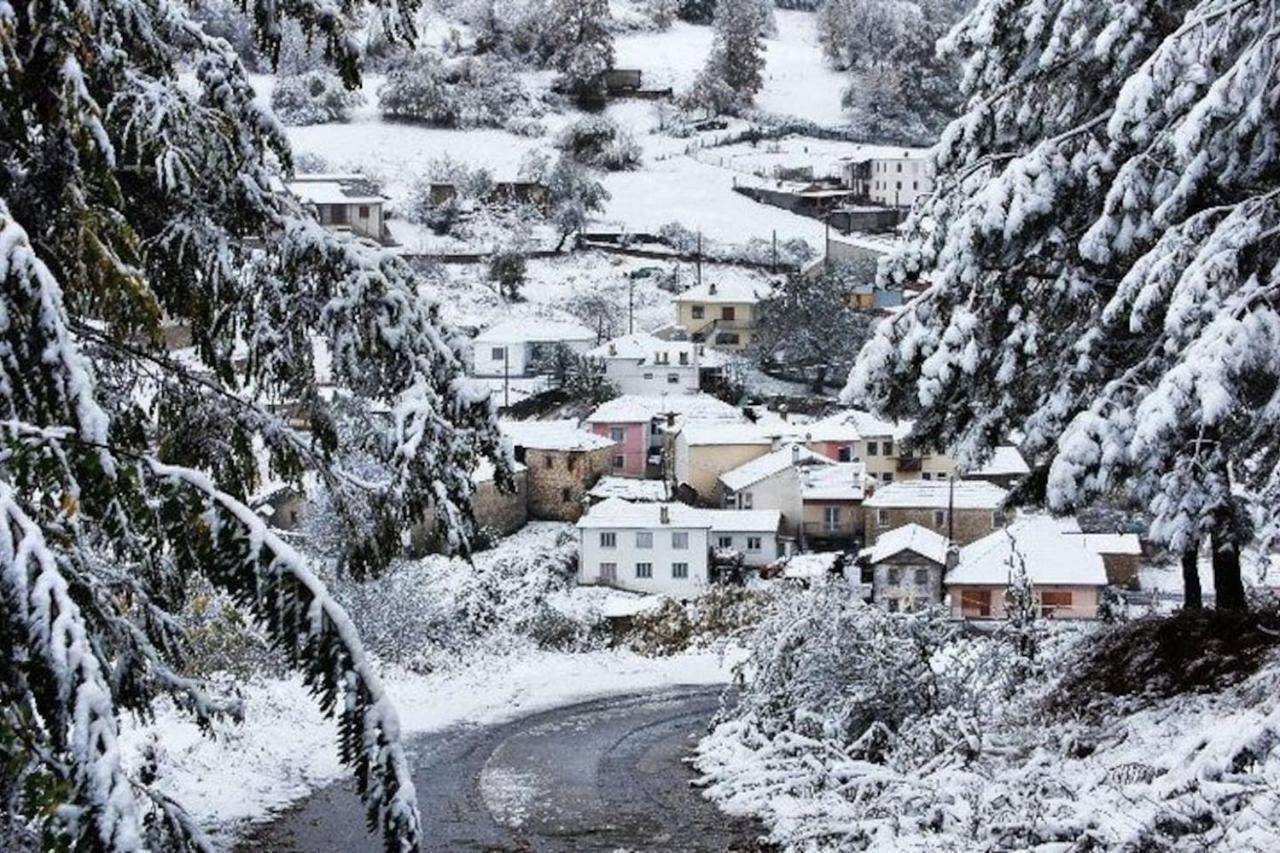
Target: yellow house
x=723 y=314
x=702 y=452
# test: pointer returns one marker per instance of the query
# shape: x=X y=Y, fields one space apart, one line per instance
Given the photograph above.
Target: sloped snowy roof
x=645 y=348
x=763 y=467
x=1005 y=461
x=534 y=330
x=484 y=471
x=908 y=537
x=615 y=512
x=843 y=481
x=1114 y=543
x=726 y=290
x=631 y=489
x=810 y=566
x=635 y=408
x=855 y=425
x=1052 y=553
x=744 y=432
x=938 y=494
x=330 y=192
x=552 y=435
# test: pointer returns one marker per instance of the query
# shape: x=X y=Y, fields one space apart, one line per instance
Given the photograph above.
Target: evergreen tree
x=578 y=31
x=1103 y=253
x=736 y=63
x=130 y=203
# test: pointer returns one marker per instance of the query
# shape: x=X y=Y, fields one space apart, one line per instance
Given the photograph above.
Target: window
x=364 y=212
x=648 y=376
x=754 y=543
x=548 y=462
x=617 y=434
x=873 y=448
x=941 y=475
x=939 y=518
x=609 y=540
x=867 y=575
x=673 y=378
x=894 y=576
x=680 y=571
x=997 y=519
x=746 y=500
x=844 y=454
x=1054 y=599
x=915 y=185
x=892 y=604
x=724 y=541
x=882 y=518
x=728 y=313
x=338 y=213
x=644 y=570
x=566 y=496
x=922 y=577
x=498 y=354
x=608 y=572
x=684 y=358
x=831 y=518
x=727 y=339
x=899 y=167
x=886 y=477
x=699 y=312
x=888 y=448
x=654 y=429
x=926 y=476
x=644 y=539
x=899 y=185
x=519 y=453
x=680 y=540
x=975 y=602
x=619 y=461
x=572 y=462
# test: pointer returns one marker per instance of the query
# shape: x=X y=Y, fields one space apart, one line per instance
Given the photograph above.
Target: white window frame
x=755 y=544
x=644 y=540
x=680 y=571
x=608 y=572
x=680 y=540
x=497 y=353
x=644 y=570
x=617 y=434
x=608 y=539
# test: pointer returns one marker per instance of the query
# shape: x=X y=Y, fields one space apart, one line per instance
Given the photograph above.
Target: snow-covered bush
x=313 y=97
x=466 y=91
x=723 y=612
x=792 y=252
x=598 y=141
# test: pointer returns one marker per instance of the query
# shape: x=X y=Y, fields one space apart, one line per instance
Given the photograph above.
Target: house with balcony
x=701 y=452
x=666 y=548
x=349 y=204
x=523 y=347
x=963 y=511
x=722 y=314
x=832 y=499
x=645 y=365
x=890 y=178
x=638 y=425
x=1066 y=573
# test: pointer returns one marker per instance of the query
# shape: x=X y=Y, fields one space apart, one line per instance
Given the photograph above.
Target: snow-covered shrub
x=507 y=271
x=598 y=141
x=792 y=253
x=526 y=126
x=466 y=91
x=721 y=613
x=664 y=630
x=313 y=97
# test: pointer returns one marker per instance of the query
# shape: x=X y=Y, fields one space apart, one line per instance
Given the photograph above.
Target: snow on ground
x=287 y=749
x=797 y=80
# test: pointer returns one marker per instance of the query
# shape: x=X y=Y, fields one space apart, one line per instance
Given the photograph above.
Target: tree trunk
x=819 y=380
x=1191 y=597
x=1228 y=587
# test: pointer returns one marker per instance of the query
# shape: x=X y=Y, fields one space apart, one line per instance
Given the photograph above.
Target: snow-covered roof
x=855 y=425
x=534 y=330
x=889 y=153
x=727 y=290
x=843 y=481
x=636 y=408
x=485 y=471
x=938 y=494
x=330 y=192
x=763 y=467
x=810 y=566
x=620 y=604
x=1114 y=543
x=631 y=489
x=743 y=432
x=1052 y=553
x=552 y=435
x=1005 y=461
x=647 y=349
x=908 y=537
x=880 y=244
x=615 y=512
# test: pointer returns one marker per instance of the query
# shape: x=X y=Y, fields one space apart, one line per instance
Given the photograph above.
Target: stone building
x=495 y=511
x=905 y=568
x=563 y=463
x=961 y=510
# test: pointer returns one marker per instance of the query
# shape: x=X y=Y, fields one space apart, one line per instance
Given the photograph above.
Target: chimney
x=664 y=514
x=671 y=419
x=775 y=443
x=795 y=454
x=712 y=289
x=613 y=349
x=953 y=558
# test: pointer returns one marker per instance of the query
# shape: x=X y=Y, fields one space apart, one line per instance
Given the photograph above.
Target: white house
x=514 y=347
x=893 y=178
x=343 y=203
x=666 y=547
x=643 y=364
x=773 y=481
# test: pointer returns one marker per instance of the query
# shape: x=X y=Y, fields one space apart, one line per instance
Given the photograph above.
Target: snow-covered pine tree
x=131 y=202
x=1103 y=253
x=578 y=30
x=736 y=62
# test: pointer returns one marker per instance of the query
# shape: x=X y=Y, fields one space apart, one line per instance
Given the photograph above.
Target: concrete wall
x=700 y=466
x=505 y=513
x=367 y=225
x=1084 y=603
x=762 y=556
x=559 y=481
x=852 y=520
x=743 y=323
x=780 y=492
x=970 y=524
x=625 y=555
x=892 y=464
x=631 y=377
x=633 y=447
x=485 y=361
x=898 y=182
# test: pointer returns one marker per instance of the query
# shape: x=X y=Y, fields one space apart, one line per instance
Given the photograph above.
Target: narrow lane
x=603 y=775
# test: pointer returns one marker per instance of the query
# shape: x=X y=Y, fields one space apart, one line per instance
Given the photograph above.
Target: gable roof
x=763 y=467
x=909 y=537
x=534 y=330
x=1051 y=551
x=855 y=425
x=645 y=349
x=617 y=513
x=552 y=435
x=1005 y=461
x=728 y=290
x=636 y=408
x=938 y=494
x=631 y=489
x=843 y=481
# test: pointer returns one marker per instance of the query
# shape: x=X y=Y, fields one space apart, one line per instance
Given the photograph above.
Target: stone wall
x=895 y=581
x=970 y=524
x=559 y=480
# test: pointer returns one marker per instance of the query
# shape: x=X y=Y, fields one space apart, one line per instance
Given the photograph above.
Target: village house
x=1121 y=555
x=905 y=568
x=893 y=179
x=723 y=314
x=960 y=510
x=772 y=481
x=1066 y=574
x=832 y=498
x=1005 y=468
x=638 y=426
x=344 y=203
x=523 y=347
x=496 y=512
x=563 y=463
x=701 y=452
x=665 y=548
x=642 y=364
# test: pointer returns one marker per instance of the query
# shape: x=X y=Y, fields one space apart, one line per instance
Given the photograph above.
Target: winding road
x=603 y=775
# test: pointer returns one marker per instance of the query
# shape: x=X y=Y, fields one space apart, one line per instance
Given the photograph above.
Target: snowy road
x=600 y=775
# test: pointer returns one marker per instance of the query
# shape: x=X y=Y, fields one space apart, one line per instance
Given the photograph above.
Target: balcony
x=909 y=464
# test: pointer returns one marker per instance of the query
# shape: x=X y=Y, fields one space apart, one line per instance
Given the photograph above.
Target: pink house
x=638 y=424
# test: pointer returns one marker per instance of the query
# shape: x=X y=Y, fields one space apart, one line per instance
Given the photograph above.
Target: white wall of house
x=488 y=359
x=629 y=549
x=633 y=377
x=757 y=548
x=899 y=181
x=781 y=491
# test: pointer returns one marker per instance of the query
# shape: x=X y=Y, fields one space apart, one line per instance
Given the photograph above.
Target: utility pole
x=631 y=306
x=773 y=267
x=826 y=246
x=951 y=511
x=698 y=259
x=506 y=376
